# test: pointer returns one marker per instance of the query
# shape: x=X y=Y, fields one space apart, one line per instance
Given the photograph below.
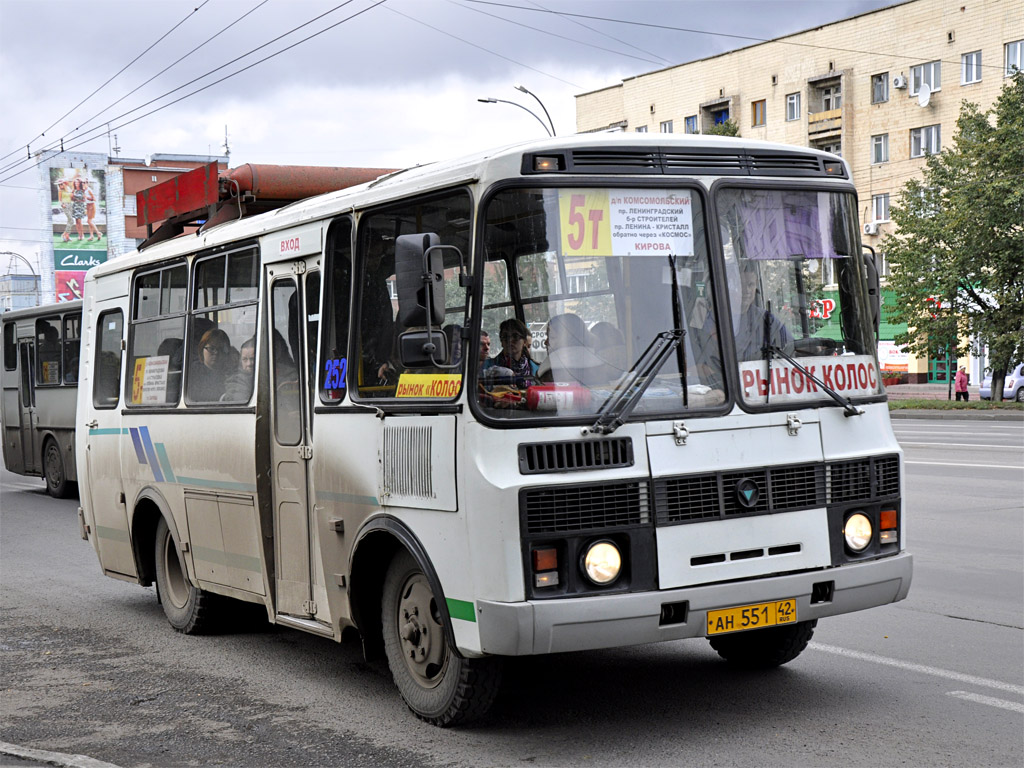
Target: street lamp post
x=491 y=100
x=523 y=89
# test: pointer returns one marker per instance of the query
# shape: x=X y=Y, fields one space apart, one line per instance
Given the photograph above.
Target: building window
x=641 y=129
x=880 y=88
x=690 y=124
x=880 y=207
x=831 y=98
x=666 y=126
x=970 y=68
x=793 y=106
x=757 y=113
x=929 y=74
x=880 y=148
x=836 y=148
x=721 y=117
x=924 y=141
x=1014 y=57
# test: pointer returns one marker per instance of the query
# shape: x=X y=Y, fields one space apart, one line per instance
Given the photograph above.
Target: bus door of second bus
x=27 y=406
x=294 y=318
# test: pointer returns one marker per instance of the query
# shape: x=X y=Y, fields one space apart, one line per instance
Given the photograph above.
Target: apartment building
x=883 y=89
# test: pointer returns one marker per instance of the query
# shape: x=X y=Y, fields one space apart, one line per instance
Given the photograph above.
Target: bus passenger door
x=27 y=406
x=294 y=302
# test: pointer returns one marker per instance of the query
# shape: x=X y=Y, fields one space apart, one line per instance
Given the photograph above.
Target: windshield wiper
x=615 y=410
x=770 y=350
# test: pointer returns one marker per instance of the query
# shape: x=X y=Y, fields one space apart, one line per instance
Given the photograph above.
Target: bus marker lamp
x=602 y=563
x=857 y=532
x=887 y=526
x=546 y=163
x=545 y=567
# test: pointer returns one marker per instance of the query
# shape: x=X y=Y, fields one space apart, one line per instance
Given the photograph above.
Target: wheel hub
x=419 y=627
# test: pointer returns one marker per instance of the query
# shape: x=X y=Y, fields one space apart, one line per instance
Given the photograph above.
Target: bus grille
x=722 y=162
x=692 y=498
x=570 y=456
x=585 y=507
x=407 y=466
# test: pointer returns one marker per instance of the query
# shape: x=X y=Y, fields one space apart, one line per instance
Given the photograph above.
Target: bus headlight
x=857 y=532
x=602 y=563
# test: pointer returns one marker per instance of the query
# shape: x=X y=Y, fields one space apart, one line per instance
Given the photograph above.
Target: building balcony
x=825 y=125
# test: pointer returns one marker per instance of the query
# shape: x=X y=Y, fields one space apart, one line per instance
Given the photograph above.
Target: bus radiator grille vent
x=572 y=456
x=864 y=479
x=783 y=164
x=675 y=162
x=602 y=160
x=406 y=462
x=678 y=499
x=585 y=507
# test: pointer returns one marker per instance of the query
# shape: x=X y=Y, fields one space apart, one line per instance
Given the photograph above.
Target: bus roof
x=42 y=310
x=500 y=162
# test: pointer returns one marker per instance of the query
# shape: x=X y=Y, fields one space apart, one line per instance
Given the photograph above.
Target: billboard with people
x=79 y=219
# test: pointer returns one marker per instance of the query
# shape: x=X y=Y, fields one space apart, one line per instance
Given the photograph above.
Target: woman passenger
x=513 y=334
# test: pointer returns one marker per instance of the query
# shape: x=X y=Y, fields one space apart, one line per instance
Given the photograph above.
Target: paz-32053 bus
x=293 y=409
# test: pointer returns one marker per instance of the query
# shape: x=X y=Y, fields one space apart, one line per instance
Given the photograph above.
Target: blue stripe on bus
x=165 y=463
x=140 y=453
x=109 y=431
x=151 y=454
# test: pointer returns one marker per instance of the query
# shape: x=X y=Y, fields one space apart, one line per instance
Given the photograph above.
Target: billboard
x=79 y=214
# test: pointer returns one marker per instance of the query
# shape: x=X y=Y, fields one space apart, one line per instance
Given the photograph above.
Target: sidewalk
x=940 y=392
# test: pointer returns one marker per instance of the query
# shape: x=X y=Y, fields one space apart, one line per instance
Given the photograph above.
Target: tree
x=958 y=253
x=728 y=128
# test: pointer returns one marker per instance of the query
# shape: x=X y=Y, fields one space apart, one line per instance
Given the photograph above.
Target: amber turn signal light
x=545 y=559
x=888 y=520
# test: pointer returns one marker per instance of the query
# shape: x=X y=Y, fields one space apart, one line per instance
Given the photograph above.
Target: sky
x=378 y=83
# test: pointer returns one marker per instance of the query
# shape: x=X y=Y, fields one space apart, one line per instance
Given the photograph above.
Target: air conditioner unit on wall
x=900 y=81
x=871 y=228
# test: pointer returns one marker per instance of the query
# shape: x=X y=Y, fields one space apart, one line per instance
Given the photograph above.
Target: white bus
x=292 y=410
x=39 y=383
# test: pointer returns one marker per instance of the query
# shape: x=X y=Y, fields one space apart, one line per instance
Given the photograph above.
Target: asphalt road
x=89 y=665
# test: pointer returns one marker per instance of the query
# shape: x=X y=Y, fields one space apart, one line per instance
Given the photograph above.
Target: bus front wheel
x=764 y=648
x=438 y=685
x=189 y=610
x=57 y=483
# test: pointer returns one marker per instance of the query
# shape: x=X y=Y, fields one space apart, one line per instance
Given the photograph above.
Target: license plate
x=755 y=616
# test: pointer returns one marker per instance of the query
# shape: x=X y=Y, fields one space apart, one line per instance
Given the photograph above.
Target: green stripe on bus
x=165 y=463
x=460 y=609
x=110 y=431
x=222 y=485
x=230 y=559
x=113 y=534
x=347 y=498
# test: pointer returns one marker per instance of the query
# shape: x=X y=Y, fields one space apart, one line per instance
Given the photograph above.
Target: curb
x=962 y=415
x=60 y=759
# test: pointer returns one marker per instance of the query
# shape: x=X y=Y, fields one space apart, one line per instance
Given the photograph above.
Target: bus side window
x=72 y=344
x=107 y=374
x=48 y=351
x=337 y=299
x=10 y=348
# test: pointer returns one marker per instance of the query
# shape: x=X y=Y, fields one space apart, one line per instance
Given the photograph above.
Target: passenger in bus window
x=610 y=346
x=238 y=386
x=512 y=358
x=208 y=373
x=485 y=346
x=172 y=348
x=750 y=325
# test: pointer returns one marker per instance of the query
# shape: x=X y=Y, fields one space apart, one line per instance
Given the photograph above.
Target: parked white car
x=1013 y=386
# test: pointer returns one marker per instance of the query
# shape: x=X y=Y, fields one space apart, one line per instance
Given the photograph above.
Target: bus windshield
x=596 y=296
x=598 y=276
x=793 y=267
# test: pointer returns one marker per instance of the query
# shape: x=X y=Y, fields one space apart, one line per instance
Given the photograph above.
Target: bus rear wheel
x=57 y=483
x=764 y=648
x=438 y=685
x=189 y=609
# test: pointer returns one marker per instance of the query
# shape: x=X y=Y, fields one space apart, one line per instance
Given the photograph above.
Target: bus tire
x=57 y=483
x=438 y=685
x=188 y=609
x=764 y=648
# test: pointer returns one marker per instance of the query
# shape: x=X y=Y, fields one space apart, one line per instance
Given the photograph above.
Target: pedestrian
x=960 y=385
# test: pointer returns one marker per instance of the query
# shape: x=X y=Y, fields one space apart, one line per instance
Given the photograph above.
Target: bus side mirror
x=419 y=275
x=874 y=291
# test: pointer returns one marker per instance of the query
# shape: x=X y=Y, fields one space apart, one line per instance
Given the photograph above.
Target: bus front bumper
x=587 y=623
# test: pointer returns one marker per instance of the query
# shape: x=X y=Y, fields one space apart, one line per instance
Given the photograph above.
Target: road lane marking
x=984 y=682
x=53 y=758
x=961 y=464
x=968 y=445
x=977 y=698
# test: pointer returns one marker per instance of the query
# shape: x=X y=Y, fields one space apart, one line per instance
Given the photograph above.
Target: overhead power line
x=111 y=78
x=671 y=28
x=226 y=77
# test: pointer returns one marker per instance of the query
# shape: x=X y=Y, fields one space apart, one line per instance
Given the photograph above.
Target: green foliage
x=958 y=254
x=728 y=128
x=922 y=404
